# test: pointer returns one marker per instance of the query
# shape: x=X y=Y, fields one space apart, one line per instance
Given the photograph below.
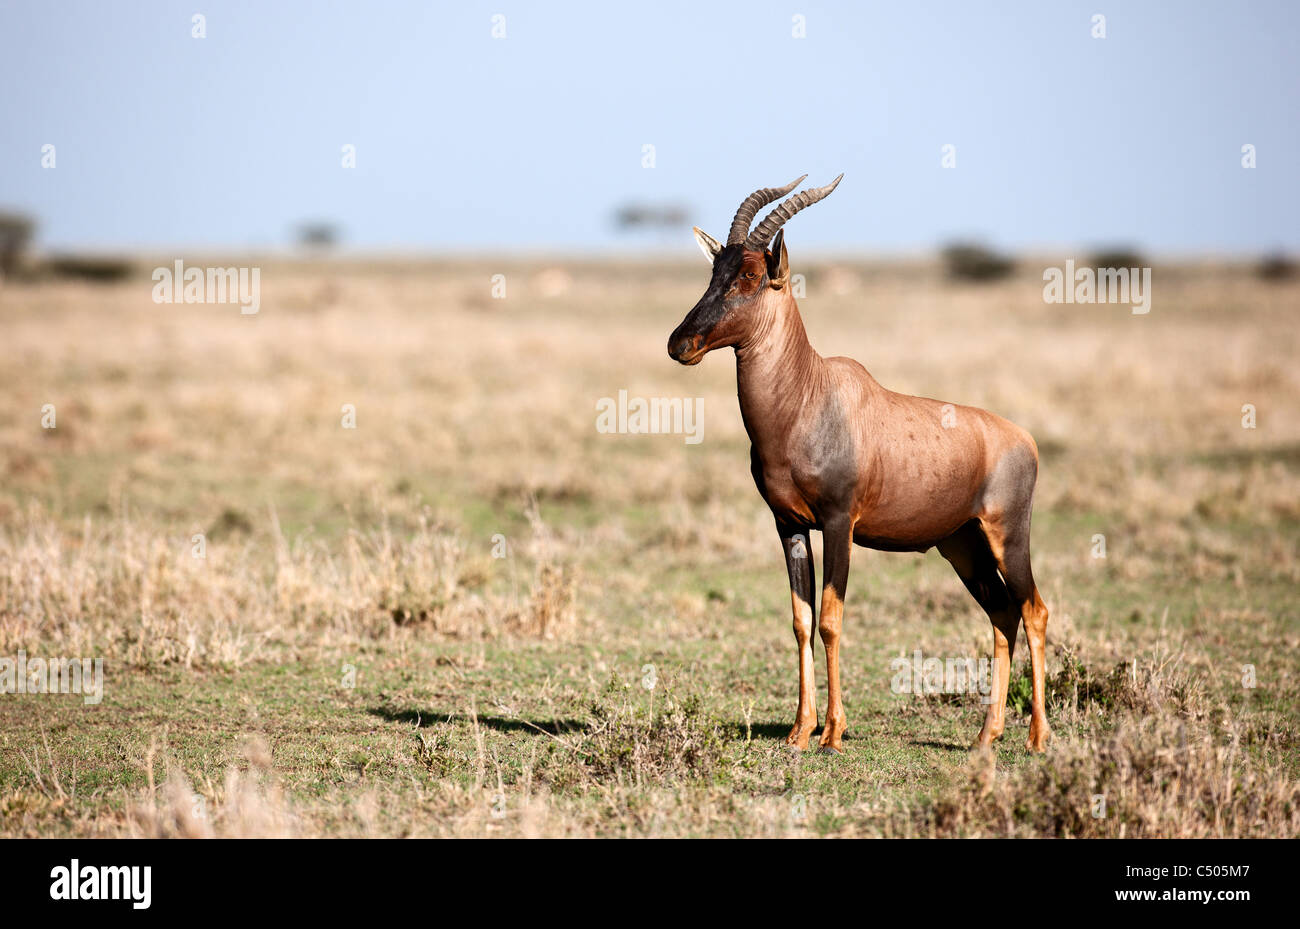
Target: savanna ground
x=349 y=657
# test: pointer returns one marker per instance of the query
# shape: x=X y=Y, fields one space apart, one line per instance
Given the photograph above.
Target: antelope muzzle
x=686 y=348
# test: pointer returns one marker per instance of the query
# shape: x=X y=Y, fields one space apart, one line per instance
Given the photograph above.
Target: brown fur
x=834 y=450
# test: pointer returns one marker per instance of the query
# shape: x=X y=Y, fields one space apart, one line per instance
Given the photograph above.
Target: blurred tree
x=318 y=234
x=15 y=232
x=633 y=216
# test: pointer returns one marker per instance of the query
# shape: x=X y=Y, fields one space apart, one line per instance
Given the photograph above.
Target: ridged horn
x=753 y=203
x=773 y=221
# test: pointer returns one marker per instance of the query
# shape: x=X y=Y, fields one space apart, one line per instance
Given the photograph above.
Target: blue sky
x=531 y=142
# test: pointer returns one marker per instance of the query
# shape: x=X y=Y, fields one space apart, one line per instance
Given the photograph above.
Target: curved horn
x=773 y=221
x=753 y=203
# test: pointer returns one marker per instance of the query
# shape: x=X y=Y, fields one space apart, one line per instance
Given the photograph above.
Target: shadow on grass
x=423 y=718
x=548 y=726
x=946 y=746
x=758 y=730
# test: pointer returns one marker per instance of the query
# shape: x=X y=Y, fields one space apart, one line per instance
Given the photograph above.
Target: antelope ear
x=778 y=262
x=708 y=244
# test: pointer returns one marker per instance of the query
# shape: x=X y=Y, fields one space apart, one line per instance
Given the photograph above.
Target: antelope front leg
x=799 y=564
x=837 y=545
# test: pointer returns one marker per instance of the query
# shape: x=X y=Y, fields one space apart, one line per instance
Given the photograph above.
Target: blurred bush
x=1118 y=257
x=96 y=268
x=1276 y=267
x=968 y=261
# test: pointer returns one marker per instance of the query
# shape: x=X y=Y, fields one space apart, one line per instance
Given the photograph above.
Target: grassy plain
x=349 y=657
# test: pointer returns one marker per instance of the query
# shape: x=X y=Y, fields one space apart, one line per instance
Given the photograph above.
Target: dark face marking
x=718 y=318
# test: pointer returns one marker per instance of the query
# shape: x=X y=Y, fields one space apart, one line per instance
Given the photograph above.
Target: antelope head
x=745 y=271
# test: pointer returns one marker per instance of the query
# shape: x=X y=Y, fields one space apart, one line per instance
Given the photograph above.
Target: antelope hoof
x=797 y=740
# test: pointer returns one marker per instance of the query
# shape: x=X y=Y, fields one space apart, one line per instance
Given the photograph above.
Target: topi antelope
x=835 y=451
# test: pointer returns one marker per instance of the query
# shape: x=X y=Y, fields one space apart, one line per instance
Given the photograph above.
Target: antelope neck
x=778 y=372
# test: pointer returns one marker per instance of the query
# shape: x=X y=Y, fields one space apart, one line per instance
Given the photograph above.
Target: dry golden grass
x=485 y=704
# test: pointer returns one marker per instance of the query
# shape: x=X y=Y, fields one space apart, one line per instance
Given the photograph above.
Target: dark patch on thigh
x=1009 y=494
x=1009 y=489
